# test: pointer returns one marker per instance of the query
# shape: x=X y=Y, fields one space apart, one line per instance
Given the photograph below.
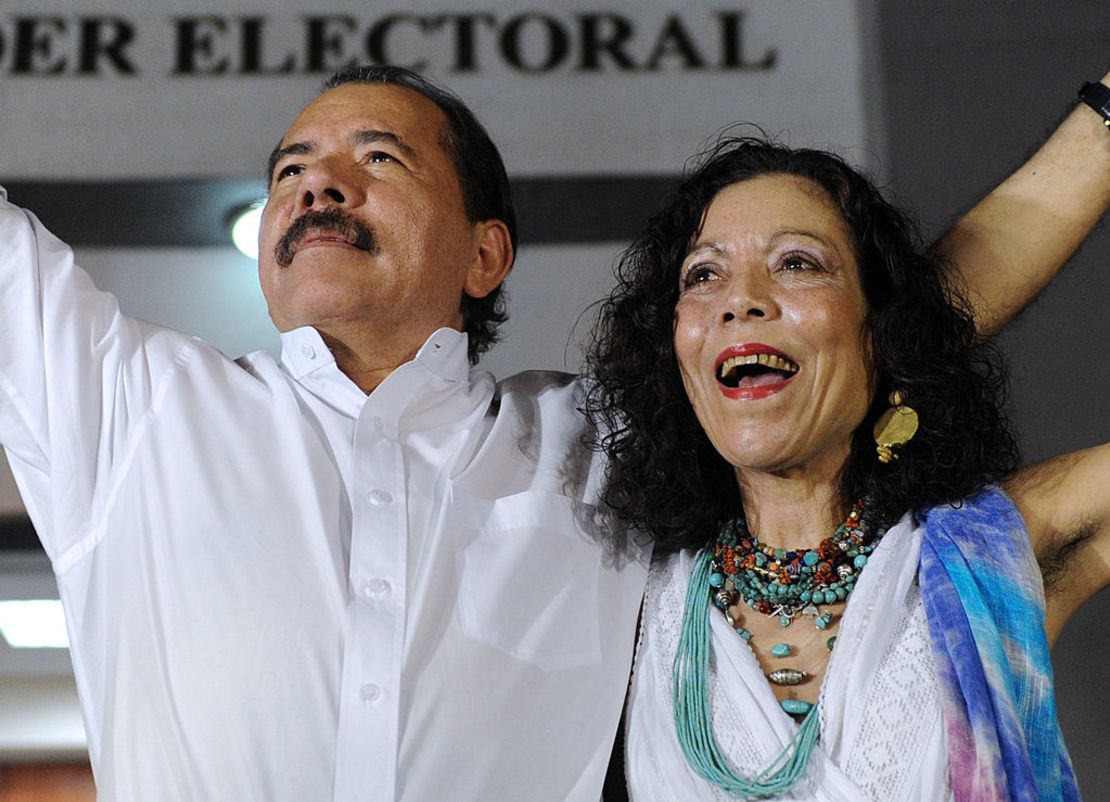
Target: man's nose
x=323 y=185
x=333 y=194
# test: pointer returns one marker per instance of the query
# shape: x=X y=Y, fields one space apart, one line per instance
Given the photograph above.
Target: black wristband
x=1097 y=96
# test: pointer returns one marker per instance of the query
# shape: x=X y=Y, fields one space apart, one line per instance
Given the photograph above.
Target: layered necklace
x=781 y=583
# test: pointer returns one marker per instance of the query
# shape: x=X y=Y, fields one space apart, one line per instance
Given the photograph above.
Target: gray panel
x=176 y=213
x=969 y=89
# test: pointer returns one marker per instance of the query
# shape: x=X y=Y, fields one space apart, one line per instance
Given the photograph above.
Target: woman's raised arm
x=1011 y=243
x=1065 y=501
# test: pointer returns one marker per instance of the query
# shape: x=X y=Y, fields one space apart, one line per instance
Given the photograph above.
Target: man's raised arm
x=76 y=378
x=1011 y=243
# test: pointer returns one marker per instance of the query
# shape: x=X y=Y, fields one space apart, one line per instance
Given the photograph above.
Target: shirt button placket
x=376 y=630
x=376 y=588
x=379 y=498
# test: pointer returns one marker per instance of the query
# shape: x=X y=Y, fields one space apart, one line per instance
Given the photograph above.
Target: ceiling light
x=33 y=624
x=245 y=222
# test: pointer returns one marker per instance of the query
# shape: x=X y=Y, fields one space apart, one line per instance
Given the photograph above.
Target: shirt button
x=377 y=423
x=379 y=498
x=377 y=587
x=308 y=351
x=370 y=693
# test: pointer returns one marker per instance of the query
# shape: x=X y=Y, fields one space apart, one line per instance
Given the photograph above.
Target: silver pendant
x=787 y=676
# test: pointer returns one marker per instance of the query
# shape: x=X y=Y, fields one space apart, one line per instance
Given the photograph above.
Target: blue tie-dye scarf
x=984 y=600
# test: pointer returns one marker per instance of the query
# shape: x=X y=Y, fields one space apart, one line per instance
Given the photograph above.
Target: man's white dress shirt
x=279 y=588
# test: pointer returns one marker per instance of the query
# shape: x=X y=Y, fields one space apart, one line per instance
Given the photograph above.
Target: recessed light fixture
x=244 y=222
x=33 y=624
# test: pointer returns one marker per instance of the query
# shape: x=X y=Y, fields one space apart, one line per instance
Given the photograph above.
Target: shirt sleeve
x=76 y=378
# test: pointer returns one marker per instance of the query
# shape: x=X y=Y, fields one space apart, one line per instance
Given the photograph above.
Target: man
x=376 y=212
x=280 y=588
x=360 y=572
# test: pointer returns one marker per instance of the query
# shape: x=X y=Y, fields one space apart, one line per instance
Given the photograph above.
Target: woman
x=800 y=413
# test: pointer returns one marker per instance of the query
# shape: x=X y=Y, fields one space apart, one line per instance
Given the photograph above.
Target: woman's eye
x=799 y=261
x=698 y=274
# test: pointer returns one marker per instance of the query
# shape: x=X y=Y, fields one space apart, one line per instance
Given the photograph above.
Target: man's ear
x=492 y=261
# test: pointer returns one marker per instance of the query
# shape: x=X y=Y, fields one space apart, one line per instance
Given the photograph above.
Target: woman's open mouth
x=754 y=371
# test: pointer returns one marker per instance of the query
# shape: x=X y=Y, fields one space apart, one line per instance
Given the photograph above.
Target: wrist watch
x=1097 y=96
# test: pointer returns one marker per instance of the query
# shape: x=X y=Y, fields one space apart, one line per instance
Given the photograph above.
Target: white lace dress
x=882 y=736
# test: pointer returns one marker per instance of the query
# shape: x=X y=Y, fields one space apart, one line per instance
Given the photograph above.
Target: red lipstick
x=751 y=392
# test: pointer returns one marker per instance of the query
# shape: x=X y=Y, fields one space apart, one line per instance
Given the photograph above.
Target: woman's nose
x=749 y=296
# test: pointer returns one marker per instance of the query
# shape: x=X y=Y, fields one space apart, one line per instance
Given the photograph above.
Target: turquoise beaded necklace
x=732 y=571
x=783 y=582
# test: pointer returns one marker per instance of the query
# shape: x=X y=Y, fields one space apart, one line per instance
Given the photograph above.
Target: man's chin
x=328 y=306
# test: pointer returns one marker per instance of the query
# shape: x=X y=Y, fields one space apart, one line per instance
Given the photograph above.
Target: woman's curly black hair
x=666 y=479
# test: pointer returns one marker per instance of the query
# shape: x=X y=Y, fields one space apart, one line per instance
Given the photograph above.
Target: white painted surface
x=564 y=121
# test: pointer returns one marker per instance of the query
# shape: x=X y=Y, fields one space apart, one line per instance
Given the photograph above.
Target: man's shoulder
x=537 y=381
x=544 y=388
x=255 y=361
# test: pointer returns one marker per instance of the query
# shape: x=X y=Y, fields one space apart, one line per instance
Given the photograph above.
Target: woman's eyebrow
x=715 y=248
x=801 y=232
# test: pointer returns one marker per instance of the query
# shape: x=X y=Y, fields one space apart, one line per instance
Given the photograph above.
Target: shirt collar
x=303 y=351
x=444 y=353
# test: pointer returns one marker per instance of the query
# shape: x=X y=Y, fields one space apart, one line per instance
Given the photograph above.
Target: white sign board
x=111 y=89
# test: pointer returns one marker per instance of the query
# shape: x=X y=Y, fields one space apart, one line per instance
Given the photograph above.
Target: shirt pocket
x=528 y=577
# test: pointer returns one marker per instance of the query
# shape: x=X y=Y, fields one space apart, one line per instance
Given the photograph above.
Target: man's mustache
x=332 y=219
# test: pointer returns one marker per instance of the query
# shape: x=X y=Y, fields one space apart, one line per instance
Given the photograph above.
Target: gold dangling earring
x=895 y=427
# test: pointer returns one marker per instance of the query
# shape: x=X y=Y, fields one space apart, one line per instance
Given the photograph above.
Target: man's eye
x=379 y=157
x=288 y=170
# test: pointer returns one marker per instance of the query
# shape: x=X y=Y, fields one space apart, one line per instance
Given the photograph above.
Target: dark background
x=1015 y=70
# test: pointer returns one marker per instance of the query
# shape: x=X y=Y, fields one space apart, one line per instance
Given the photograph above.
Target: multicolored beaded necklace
x=774 y=582
x=785 y=583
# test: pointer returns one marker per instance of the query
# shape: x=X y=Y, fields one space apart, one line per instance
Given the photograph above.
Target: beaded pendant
x=788 y=676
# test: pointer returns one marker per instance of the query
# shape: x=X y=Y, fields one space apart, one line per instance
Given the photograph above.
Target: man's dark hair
x=664 y=475
x=482 y=177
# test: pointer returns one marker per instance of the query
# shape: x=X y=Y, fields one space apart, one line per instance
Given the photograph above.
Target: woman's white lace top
x=881 y=727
